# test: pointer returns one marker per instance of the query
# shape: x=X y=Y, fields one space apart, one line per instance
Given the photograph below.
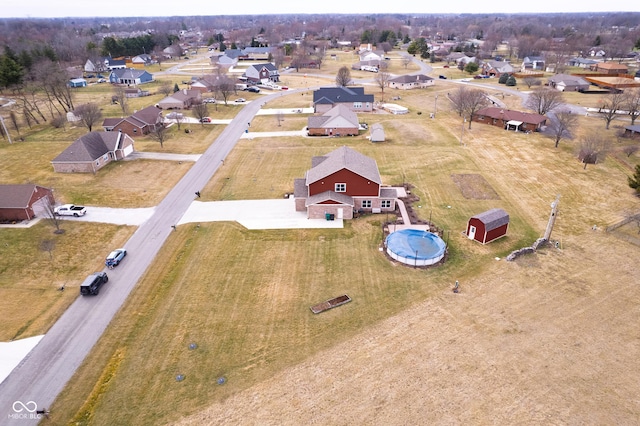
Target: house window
x=357 y=104
x=341 y=187
x=385 y=204
x=135 y=130
x=366 y=204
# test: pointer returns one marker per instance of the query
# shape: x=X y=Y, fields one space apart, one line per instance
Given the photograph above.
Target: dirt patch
x=475 y=187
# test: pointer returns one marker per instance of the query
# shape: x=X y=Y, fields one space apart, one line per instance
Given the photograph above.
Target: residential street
x=44 y=372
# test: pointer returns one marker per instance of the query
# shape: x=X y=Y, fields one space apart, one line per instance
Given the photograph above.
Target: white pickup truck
x=69 y=210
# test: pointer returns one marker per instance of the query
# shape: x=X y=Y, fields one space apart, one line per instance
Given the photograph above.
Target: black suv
x=91 y=286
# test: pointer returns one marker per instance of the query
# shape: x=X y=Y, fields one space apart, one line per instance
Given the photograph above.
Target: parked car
x=252 y=89
x=91 y=285
x=115 y=257
x=284 y=88
x=446 y=66
x=239 y=100
x=102 y=80
x=69 y=210
x=175 y=115
x=205 y=120
x=209 y=100
x=442 y=77
x=478 y=77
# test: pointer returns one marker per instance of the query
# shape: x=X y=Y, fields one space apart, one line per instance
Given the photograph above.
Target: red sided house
x=17 y=201
x=341 y=182
x=510 y=120
x=140 y=123
x=488 y=226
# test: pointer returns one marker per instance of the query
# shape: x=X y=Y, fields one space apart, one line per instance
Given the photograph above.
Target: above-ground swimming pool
x=415 y=247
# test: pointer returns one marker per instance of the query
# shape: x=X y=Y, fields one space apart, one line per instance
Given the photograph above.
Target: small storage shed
x=488 y=226
x=377 y=133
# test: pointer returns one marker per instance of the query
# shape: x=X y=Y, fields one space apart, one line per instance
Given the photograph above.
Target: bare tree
x=532 y=81
x=200 y=111
x=562 y=125
x=48 y=246
x=405 y=61
x=343 y=78
x=382 y=78
x=630 y=150
x=14 y=120
x=468 y=101
x=120 y=95
x=610 y=106
x=51 y=78
x=593 y=148
x=224 y=86
x=89 y=114
x=160 y=134
x=543 y=100
x=632 y=103
x=49 y=205
x=166 y=88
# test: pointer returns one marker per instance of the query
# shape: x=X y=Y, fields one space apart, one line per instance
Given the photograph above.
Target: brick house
x=20 y=202
x=93 y=151
x=141 y=122
x=338 y=121
x=612 y=68
x=181 y=99
x=340 y=183
x=510 y=120
x=354 y=98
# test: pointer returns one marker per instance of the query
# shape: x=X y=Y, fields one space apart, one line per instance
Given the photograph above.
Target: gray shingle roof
x=341 y=94
x=493 y=218
x=344 y=158
x=411 y=78
x=16 y=196
x=89 y=147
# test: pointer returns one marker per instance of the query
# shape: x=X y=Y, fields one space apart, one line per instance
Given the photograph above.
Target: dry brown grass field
x=550 y=338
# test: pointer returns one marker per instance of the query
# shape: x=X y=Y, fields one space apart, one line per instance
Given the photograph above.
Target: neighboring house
x=93 y=151
x=115 y=64
x=632 y=131
x=496 y=68
x=367 y=65
x=581 y=62
x=22 y=202
x=142 y=60
x=77 y=82
x=377 y=55
x=510 y=120
x=326 y=98
x=256 y=54
x=377 y=133
x=532 y=63
x=407 y=82
x=141 y=122
x=181 y=99
x=135 y=93
x=338 y=121
x=488 y=226
x=454 y=57
x=204 y=85
x=130 y=76
x=262 y=73
x=568 y=83
x=95 y=66
x=341 y=182
x=224 y=61
x=612 y=68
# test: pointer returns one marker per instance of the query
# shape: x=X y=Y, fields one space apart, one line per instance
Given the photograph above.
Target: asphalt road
x=42 y=375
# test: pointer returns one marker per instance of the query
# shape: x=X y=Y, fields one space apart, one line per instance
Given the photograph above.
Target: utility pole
x=552 y=218
x=435 y=107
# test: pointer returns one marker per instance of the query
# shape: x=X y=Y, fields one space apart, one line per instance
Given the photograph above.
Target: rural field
x=550 y=338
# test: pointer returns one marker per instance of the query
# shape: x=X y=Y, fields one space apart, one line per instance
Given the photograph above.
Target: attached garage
x=17 y=202
x=488 y=226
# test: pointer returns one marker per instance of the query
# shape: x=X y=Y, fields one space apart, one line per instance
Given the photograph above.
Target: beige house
x=93 y=151
x=407 y=82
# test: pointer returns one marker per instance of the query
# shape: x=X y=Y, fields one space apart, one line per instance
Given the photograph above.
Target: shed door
x=340 y=214
x=472 y=232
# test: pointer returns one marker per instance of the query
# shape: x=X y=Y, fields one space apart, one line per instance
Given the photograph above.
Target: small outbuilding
x=488 y=226
x=77 y=82
x=377 y=133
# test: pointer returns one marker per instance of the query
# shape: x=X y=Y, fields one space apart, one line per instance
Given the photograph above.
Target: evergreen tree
x=634 y=181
